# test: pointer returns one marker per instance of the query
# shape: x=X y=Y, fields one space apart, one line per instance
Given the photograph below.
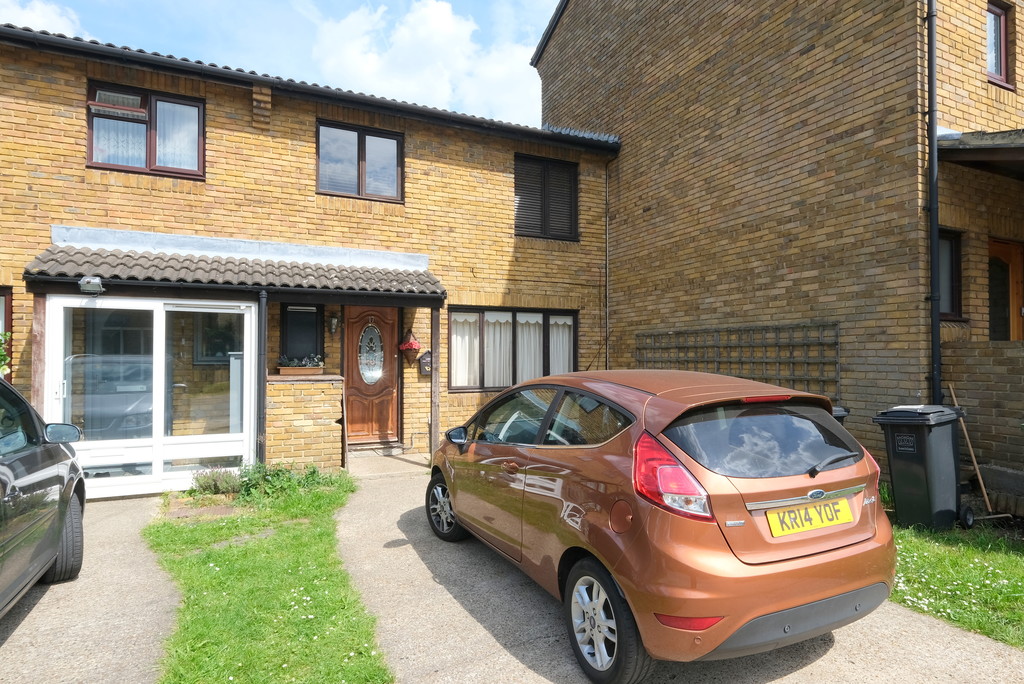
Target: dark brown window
x=5 y=323
x=495 y=348
x=546 y=198
x=949 y=275
x=302 y=333
x=137 y=130
x=358 y=162
x=999 y=43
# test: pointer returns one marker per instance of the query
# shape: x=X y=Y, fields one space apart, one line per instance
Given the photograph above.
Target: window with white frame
x=138 y=130
x=494 y=348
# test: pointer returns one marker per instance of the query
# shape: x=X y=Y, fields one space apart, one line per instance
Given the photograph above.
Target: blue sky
x=470 y=56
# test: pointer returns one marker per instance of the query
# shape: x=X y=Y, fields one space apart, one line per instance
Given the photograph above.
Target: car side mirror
x=62 y=432
x=459 y=435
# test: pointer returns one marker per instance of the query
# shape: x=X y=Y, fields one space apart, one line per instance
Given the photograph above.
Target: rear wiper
x=829 y=460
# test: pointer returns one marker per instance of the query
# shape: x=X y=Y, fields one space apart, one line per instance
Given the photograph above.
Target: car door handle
x=510 y=467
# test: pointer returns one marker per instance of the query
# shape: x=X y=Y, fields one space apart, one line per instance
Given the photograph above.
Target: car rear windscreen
x=764 y=440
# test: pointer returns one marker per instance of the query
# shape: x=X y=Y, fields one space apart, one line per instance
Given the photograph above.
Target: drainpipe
x=261 y=378
x=933 y=212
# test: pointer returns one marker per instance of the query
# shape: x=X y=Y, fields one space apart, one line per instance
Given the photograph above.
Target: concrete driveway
x=109 y=625
x=459 y=613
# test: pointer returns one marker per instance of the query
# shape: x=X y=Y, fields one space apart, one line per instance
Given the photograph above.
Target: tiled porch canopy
x=233 y=264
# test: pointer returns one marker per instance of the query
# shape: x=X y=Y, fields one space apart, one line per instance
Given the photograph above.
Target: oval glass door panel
x=371 y=355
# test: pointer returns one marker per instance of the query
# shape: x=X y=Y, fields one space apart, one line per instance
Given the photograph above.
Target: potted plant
x=311 y=364
x=410 y=347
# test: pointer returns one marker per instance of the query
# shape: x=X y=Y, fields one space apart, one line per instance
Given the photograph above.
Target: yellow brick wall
x=301 y=430
x=771 y=172
x=260 y=184
x=967 y=101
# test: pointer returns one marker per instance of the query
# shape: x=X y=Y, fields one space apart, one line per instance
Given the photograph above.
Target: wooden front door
x=1006 y=290
x=371 y=374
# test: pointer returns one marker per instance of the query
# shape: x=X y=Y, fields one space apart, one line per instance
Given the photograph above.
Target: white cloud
x=427 y=56
x=41 y=16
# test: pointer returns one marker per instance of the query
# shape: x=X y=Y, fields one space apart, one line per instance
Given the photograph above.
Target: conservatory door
x=160 y=389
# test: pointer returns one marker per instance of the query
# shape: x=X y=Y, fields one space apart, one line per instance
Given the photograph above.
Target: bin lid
x=840 y=412
x=918 y=414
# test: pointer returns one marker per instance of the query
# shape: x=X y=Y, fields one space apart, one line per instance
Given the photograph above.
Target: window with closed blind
x=546 y=198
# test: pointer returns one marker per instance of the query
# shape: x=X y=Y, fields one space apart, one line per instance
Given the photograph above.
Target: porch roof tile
x=71 y=262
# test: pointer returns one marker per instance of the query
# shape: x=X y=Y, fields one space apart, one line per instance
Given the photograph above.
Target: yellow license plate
x=813 y=516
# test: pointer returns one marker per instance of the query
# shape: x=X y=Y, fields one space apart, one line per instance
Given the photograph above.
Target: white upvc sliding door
x=160 y=388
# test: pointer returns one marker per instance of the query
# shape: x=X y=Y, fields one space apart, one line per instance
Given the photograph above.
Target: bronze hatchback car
x=678 y=516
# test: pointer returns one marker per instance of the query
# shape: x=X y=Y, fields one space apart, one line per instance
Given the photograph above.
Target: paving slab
x=461 y=613
x=110 y=624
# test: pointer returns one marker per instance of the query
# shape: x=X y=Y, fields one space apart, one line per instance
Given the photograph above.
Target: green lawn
x=265 y=596
x=971 y=578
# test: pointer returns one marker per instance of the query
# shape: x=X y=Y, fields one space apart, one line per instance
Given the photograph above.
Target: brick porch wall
x=987 y=377
x=300 y=422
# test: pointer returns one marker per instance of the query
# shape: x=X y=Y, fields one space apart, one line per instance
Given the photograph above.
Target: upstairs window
x=136 y=130
x=546 y=198
x=362 y=163
x=999 y=43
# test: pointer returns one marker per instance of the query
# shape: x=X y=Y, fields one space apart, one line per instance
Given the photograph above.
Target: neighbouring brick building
x=171 y=228
x=768 y=211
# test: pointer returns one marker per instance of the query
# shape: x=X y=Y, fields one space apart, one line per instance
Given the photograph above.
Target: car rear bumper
x=786 y=627
x=692 y=573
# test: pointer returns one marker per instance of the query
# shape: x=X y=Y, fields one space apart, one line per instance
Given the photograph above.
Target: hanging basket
x=410 y=355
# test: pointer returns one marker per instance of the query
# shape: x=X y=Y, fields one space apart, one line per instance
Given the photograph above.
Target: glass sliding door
x=160 y=389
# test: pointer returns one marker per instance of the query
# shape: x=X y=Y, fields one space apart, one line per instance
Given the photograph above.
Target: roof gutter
x=409 y=299
x=126 y=56
x=935 y=296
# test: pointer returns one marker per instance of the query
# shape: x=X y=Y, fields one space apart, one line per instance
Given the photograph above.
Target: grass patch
x=265 y=598
x=971 y=578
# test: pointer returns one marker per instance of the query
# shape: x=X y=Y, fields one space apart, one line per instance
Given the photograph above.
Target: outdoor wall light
x=91 y=285
x=332 y=324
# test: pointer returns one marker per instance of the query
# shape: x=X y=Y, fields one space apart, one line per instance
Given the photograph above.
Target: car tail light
x=765 y=400
x=694 y=624
x=661 y=479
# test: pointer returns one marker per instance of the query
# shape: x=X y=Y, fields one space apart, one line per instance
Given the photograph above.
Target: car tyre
x=440 y=513
x=602 y=630
x=68 y=563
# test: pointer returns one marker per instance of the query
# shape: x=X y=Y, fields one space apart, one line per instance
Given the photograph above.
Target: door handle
x=510 y=467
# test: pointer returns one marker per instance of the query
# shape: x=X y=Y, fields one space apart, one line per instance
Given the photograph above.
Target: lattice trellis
x=803 y=357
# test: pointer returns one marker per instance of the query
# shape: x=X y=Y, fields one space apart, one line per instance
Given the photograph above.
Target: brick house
x=172 y=228
x=769 y=208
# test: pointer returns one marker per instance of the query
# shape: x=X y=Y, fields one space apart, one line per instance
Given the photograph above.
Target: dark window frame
x=6 y=316
x=362 y=132
x=318 y=321
x=956 y=309
x=1004 y=78
x=149 y=101
x=546 y=343
x=527 y=168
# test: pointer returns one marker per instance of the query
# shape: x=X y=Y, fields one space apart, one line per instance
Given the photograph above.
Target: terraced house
x=177 y=235
x=826 y=195
x=772 y=214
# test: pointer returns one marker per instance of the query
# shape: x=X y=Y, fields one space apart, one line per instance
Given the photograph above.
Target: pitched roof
x=68 y=262
x=109 y=52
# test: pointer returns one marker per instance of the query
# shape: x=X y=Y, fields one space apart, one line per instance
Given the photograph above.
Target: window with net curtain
x=492 y=349
x=145 y=131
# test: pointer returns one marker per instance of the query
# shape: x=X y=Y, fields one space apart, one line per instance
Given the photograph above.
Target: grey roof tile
x=143 y=267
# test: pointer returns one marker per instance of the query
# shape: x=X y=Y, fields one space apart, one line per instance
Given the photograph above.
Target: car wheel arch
x=570 y=557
